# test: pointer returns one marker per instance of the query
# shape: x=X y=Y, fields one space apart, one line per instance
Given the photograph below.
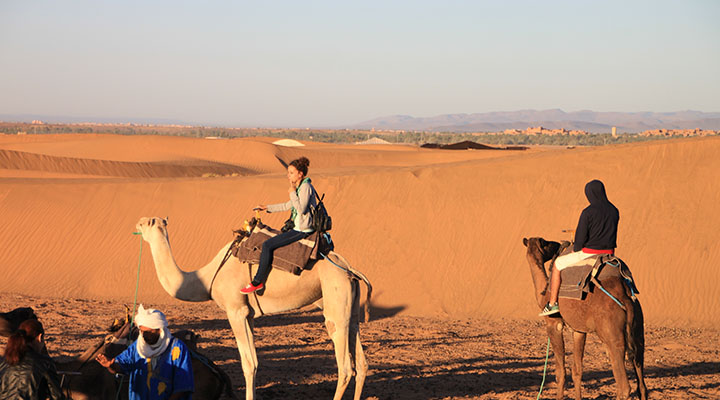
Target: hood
x=595 y=192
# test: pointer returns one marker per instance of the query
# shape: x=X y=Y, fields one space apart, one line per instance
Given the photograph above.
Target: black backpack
x=321 y=221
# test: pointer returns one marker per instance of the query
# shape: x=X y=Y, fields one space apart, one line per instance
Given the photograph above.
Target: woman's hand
x=292 y=188
x=261 y=207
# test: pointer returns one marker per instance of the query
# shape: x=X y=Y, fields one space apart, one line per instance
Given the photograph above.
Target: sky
x=334 y=63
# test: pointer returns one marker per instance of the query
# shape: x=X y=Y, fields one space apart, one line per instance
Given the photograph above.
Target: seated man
x=596 y=233
x=159 y=364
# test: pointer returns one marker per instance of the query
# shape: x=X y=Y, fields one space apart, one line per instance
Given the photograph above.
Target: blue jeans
x=266 y=255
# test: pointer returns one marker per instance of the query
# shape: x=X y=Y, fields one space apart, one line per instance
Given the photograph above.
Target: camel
x=85 y=379
x=620 y=330
x=333 y=287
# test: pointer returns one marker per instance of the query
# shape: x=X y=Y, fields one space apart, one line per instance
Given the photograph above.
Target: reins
x=224 y=260
x=547 y=356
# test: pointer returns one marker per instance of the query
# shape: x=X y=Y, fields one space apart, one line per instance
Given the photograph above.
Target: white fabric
x=147 y=350
x=567 y=260
x=150 y=318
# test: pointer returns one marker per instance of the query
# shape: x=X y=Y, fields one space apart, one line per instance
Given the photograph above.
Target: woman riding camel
x=302 y=197
x=596 y=233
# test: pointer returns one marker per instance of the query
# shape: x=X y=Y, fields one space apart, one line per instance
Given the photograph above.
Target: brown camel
x=333 y=285
x=85 y=379
x=620 y=330
x=10 y=321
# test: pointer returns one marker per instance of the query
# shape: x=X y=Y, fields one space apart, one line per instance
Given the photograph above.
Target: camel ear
x=525 y=242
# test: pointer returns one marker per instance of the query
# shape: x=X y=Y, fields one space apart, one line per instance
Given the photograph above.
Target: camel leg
x=361 y=365
x=639 y=373
x=241 y=321
x=554 y=330
x=615 y=349
x=337 y=302
x=578 y=353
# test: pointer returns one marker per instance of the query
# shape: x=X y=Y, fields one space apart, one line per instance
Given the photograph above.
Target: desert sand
x=438 y=232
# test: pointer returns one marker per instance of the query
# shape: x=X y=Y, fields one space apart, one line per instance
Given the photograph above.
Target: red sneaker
x=250 y=288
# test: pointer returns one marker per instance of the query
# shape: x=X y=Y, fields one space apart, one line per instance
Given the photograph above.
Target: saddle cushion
x=576 y=279
x=293 y=258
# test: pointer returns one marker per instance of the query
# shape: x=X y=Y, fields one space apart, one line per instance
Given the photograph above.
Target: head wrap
x=150 y=318
x=153 y=319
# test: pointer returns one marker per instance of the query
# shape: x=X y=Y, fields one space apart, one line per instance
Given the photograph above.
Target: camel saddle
x=293 y=258
x=580 y=279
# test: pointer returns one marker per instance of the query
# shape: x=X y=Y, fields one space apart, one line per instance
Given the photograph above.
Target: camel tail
x=355 y=274
x=635 y=333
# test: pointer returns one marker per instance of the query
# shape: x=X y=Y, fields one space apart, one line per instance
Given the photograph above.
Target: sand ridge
x=438 y=232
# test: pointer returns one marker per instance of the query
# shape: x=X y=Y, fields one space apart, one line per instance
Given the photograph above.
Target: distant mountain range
x=590 y=121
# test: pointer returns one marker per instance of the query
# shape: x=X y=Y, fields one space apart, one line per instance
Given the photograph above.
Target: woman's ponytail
x=19 y=342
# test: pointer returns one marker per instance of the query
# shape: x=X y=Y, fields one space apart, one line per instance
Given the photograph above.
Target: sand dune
x=438 y=232
x=22 y=161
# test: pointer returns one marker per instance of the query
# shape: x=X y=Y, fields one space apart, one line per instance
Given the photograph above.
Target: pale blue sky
x=322 y=63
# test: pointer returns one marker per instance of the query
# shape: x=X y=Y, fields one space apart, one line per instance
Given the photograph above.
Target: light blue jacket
x=301 y=200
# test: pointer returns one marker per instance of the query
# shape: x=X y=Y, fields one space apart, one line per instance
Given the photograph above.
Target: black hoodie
x=598 y=224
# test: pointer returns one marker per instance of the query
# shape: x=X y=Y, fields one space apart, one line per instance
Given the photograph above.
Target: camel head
x=540 y=249
x=151 y=228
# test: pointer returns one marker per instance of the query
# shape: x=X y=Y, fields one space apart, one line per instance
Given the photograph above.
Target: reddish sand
x=438 y=232
x=411 y=358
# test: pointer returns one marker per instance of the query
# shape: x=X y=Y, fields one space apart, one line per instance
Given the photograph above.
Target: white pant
x=567 y=260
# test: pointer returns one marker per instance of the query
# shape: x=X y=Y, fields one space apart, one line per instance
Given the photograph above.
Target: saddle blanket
x=576 y=279
x=293 y=258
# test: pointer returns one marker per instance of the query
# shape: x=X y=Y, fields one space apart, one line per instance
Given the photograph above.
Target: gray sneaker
x=550 y=309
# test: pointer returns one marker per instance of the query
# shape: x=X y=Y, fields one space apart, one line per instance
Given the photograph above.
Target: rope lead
x=137 y=279
x=547 y=355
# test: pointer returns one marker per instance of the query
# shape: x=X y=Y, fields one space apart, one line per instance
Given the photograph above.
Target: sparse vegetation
x=329 y=136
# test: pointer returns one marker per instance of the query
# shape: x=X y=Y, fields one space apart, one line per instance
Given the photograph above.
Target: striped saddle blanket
x=293 y=258
x=577 y=279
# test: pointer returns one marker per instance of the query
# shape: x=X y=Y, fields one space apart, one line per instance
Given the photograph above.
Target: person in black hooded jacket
x=596 y=233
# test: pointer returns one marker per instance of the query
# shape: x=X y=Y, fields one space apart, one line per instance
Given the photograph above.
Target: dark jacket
x=33 y=378
x=598 y=224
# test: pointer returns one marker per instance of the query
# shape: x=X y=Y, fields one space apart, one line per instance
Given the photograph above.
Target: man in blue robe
x=159 y=365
